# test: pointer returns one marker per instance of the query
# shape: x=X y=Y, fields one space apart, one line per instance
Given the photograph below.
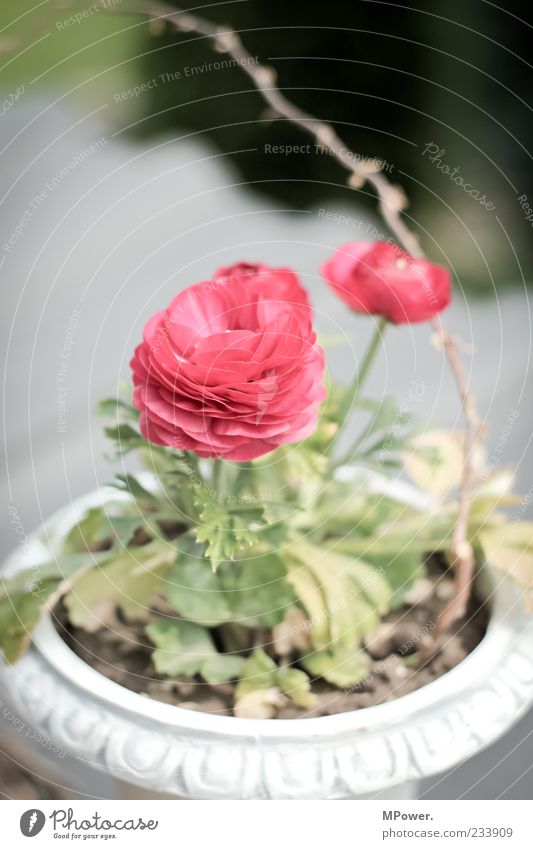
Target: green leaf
x=222 y=667
x=86 y=531
x=259 y=704
x=435 y=460
x=126 y=437
x=312 y=598
x=340 y=666
x=129 y=484
x=390 y=537
x=257 y=590
x=261 y=675
x=228 y=530
x=23 y=597
x=401 y=569
x=384 y=413
x=99 y=526
x=182 y=647
x=122 y=529
x=350 y=616
x=259 y=672
x=509 y=548
x=386 y=429
x=128 y=581
x=254 y=593
x=494 y=490
x=117 y=407
x=331 y=417
x=19 y=614
x=181 y=464
x=354 y=592
x=371 y=582
x=295 y=684
x=226 y=533
x=185 y=648
x=194 y=590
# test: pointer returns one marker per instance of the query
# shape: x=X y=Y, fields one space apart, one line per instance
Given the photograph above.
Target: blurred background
x=136 y=161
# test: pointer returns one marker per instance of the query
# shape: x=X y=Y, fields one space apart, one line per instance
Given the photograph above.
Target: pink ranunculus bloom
x=232 y=367
x=380 y=278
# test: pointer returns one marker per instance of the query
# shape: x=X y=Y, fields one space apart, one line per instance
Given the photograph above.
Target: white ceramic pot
x=156 y=749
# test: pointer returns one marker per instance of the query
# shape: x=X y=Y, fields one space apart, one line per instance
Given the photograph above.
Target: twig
x=462 y=552
x=391 y=201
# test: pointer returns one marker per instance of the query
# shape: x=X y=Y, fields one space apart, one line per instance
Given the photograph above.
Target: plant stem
x=217 y=475
x=221 y=478
x=360 y=377
x=369 y=356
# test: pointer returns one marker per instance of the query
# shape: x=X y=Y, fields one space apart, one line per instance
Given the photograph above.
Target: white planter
x=166 y=750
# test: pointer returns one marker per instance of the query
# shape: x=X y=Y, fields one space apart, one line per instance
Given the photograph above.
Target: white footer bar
x=267 y=825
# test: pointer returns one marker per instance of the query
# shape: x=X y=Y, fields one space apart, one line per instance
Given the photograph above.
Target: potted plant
x=253 y=577
x=260 y=615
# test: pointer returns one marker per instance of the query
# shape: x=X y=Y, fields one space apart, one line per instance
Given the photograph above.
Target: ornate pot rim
x=200 y=755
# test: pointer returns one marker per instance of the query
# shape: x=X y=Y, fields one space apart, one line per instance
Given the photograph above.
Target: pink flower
x=232 y=368
x=379 y=278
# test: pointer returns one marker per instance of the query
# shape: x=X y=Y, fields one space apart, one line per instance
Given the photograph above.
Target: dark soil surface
x=404 y=653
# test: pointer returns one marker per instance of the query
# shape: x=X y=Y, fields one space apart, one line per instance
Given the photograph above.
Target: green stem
x=221 y=478
x=369 y=356
x=217 y=475
x=360 y=377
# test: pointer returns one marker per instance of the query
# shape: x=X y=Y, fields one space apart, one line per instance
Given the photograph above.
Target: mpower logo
x=32 y=822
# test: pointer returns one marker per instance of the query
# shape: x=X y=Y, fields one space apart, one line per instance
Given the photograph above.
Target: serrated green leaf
x=226 y=533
